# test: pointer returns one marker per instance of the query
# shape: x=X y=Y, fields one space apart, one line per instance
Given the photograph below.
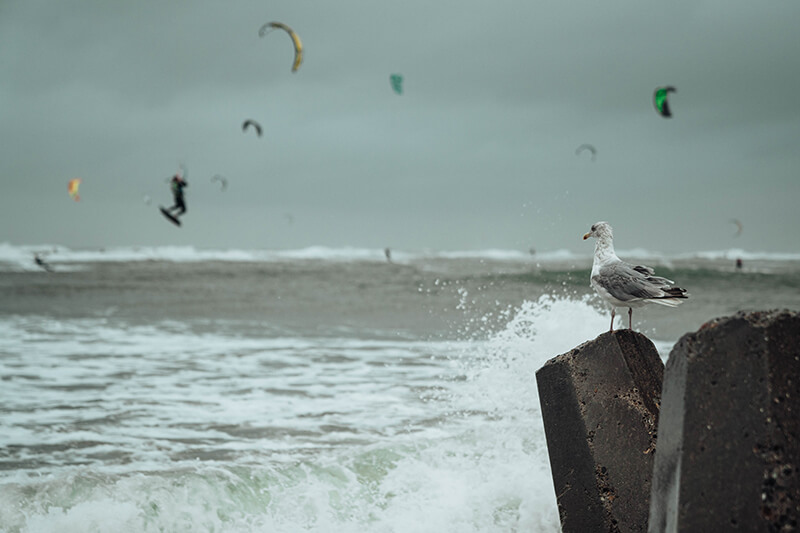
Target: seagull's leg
x=630 y=317
x=613 y=312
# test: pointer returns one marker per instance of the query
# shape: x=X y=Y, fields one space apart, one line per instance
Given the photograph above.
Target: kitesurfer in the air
x=177 y=185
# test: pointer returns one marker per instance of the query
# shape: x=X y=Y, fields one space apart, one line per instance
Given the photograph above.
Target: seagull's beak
x=587 y=235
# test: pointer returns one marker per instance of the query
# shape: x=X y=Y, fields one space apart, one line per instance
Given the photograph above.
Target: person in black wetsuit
x=39 y=261
x=177 y=184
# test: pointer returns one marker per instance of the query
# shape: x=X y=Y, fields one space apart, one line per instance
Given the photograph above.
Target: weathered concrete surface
x=600 y=406
x=729 y=429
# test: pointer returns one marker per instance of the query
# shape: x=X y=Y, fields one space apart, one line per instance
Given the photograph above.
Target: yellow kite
x=72 y=188
x=298 y=46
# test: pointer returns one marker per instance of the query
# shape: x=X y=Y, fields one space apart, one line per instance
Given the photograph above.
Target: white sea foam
x=738 y=253
x=21 y=257
x=182 y=431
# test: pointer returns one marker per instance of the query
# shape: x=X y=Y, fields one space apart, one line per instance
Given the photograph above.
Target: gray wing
x=625 y=282
x=647 y=271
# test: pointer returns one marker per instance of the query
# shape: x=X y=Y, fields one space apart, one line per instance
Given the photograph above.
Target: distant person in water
x=739 y=263
x=388 y=253
x=39 y=261
x=177 y=185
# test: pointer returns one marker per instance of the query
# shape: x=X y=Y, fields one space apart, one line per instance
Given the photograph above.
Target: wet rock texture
x=729 y=428
x=600 y=406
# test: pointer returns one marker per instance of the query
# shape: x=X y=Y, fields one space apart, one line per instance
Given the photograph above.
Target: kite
x=222 y=181
x=660 y=100
x=72 y=188
x=589 y=147
x=253 y=123
x=397 y=83
x=739 y=227
x=298 y=45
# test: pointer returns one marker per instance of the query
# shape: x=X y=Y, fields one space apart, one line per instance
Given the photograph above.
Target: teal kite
x=397 y=83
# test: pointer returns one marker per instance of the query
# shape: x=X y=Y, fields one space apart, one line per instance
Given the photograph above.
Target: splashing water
x=468 y=454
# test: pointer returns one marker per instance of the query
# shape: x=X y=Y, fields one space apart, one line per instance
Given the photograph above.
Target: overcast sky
x=478 y=152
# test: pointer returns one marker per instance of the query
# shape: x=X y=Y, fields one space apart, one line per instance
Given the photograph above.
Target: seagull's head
x=599 y=230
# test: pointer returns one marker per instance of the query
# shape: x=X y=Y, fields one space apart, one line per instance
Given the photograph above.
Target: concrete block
x=600 y=406
x=729 y=429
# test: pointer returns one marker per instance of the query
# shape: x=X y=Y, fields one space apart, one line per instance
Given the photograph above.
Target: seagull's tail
x=673 y=297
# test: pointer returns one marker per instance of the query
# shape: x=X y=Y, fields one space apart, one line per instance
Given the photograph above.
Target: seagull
x=624 y=285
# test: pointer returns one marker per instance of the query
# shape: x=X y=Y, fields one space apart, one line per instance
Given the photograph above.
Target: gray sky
x=479 y=151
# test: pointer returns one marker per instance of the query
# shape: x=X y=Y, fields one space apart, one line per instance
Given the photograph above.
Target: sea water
x=175 y=389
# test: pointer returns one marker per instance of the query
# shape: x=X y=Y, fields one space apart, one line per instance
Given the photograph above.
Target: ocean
x=323 y=390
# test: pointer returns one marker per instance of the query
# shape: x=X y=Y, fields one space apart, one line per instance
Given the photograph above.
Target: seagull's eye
x=594 y=228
